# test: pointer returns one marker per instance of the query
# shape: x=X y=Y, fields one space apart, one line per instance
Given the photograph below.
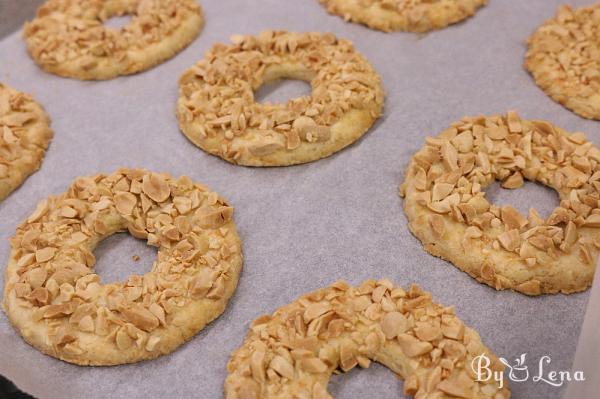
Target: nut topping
x=448 y=210
x=52 y=282
x=140 y=317
x=125 y=202
x=562 y=57
x=393 y=324
x=155 y=187
x=218 y=112
x=400 y=15
x=422 y=341
x=24 y=136
x=69 y=38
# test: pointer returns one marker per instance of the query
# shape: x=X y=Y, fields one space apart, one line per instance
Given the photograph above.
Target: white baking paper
x=306 y=226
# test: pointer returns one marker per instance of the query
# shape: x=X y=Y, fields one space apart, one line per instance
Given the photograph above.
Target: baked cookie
x=447 y=209
x=217 y=111
x=294 y=352
x=404 y=15
x=59 y=305
x=24 y=137
x=564 y=59
x=68 y=37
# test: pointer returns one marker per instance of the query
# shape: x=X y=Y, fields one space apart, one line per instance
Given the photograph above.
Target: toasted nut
x=313 y=365
x=40 y=295
x=315 y=310
x=449 y=156
x=571 y=236
x=45 y=254
x=282 y=366
x=86 y=324
x=22 y=290
x=202 y=283
x=437 y=225
x=141 y=318
x=497 y=132
x=292 y=140
x=412 y=347
x=512 y=218
x=428 y=332
x=348 y=355
x=303 y=125
x=36 y=277
x=152 y=343
x=123 y=339
x=514 y=122
x=441 y=191
x=64 y=336
x=531 y=287
x=592 y=221
x=213 y=218
x=452 y=327
x=510 y=240
x=393 y=324
x=266 y=147
x=513 y=181
x=155 y=187
x=125 y=202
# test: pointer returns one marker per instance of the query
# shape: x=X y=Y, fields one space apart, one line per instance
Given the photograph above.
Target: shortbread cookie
x=24 y=137
x=59 y=305
x=404 y=15
x=294 y=352
x=68 y=37
x=447 y=209
x=564 y=59
x=217 y=110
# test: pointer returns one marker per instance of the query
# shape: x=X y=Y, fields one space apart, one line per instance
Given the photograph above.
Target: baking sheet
x=302 y=227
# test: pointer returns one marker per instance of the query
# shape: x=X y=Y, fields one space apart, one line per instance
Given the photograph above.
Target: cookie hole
x=114 y=262
x=375 y=382
x=531 y=195
x=280 y=91
x=118 y=21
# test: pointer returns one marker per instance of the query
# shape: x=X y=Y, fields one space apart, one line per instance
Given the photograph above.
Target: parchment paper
x=302 y=227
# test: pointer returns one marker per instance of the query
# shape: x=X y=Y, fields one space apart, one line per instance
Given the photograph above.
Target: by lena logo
x=519 y=371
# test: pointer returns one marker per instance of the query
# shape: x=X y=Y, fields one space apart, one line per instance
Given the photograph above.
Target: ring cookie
x=68 y=37
x=294 y=352
x=448 y=211
x=404 y=15
x=24 y=137
x=59 y=305
x=217 y=110
x=564 y=61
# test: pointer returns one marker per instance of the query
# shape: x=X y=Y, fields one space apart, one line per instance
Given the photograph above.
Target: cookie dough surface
x=217 y=110
x=294 y=352
x=24 y=137
x=564 y=59
x=60 y=306
x=404 y=15
x=69 y=38
x=444 y=200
